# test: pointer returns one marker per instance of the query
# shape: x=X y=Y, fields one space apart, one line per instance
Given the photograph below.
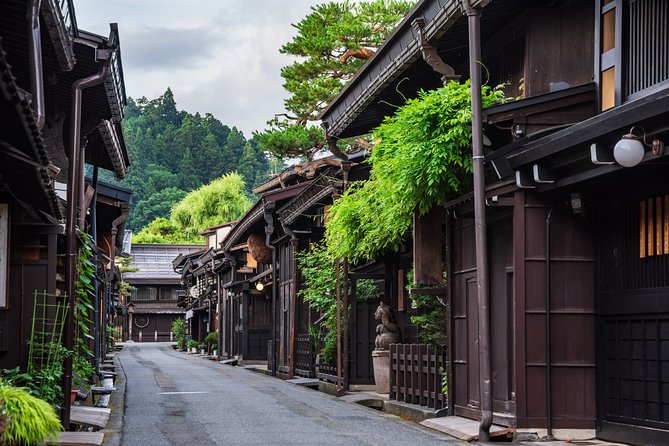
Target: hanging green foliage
x=430 y=316
x=319 y=272
x=423 y=156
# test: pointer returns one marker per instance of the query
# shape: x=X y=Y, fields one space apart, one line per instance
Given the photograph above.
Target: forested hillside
x=173 y=152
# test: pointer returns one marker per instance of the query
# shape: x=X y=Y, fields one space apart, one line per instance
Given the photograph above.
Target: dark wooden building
x=576 y=241
x=42 y=55
x=152 y=306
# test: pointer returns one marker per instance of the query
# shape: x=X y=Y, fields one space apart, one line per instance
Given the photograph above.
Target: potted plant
x=212 y=341
x=24 y=418
x=192 y=346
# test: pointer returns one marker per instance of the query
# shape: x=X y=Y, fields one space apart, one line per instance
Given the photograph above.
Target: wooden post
x=338 y=306
x=427 y=242
x=293 y=307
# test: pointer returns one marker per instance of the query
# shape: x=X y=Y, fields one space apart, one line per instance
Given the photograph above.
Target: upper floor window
x=633 y=53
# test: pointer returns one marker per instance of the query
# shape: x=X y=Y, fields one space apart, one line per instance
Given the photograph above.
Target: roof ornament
x=430 y=54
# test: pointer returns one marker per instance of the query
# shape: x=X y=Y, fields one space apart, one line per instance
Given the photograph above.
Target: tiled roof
x=155 y=261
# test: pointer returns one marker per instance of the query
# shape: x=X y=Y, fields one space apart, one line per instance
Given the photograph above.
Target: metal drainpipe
x=96 y=305
x=549 y=412
x=269 y=230
x=71 y=227
x=474 y=21
x=36 y=75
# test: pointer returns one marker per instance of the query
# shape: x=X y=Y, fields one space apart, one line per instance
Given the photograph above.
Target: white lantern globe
x=629 y=151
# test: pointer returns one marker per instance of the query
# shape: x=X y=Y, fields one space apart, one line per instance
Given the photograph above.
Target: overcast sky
x=219 y=57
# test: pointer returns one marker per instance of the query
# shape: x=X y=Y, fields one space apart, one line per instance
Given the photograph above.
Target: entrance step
x=305 y=382
x=77 y=439
x=464 y=428
x=90 y=416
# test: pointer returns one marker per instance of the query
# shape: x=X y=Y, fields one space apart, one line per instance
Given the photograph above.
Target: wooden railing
x=327 y=372
x=304 y=356
x=415 y=374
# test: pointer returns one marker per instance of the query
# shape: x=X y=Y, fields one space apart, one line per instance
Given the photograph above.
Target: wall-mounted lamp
x=629 y=151
x=260 y=286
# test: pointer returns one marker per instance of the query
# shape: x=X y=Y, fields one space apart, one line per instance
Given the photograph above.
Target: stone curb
x=114 y=430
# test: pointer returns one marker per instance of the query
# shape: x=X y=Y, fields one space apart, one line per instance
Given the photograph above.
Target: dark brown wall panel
x=571 y=312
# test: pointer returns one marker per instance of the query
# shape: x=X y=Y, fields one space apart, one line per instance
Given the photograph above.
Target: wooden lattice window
x=654 y=227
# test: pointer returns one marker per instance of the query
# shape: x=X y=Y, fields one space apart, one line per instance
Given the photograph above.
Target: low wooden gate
x=304 y=356
x=415 y=374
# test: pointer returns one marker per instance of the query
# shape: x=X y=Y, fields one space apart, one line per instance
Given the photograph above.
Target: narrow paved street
x=175 y=399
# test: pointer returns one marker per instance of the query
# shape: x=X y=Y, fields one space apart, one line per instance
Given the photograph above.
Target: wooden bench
x=90 y=416
x=109 y=375
x=97 y=391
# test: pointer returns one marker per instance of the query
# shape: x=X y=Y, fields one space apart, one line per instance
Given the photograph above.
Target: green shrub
x=191 y=344
x=27 y=419
x=179 y=330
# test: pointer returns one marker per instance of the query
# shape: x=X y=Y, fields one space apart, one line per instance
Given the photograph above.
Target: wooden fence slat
x=416 y=374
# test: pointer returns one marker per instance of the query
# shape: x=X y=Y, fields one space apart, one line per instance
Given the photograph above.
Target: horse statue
x=388 y=330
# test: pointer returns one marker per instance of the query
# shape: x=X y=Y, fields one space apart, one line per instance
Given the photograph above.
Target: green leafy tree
x=157 y=205
x=331 y=45
x=248 y=165
x=163 y=231
x=158 y=135
x=224 y=199
x=187 y=172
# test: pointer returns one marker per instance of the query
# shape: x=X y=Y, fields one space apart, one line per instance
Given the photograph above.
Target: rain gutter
x=36 y=76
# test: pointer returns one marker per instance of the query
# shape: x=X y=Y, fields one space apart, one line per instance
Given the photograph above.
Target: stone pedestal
x=381 y=361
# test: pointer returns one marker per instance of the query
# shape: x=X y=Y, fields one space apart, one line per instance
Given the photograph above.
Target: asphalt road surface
x=176 y=399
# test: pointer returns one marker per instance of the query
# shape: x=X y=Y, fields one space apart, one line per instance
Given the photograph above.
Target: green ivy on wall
x=423 y=156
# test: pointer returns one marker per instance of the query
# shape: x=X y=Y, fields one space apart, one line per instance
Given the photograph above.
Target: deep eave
x=572 y=146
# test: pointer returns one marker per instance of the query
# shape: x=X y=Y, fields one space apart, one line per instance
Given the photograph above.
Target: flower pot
x=193 y=350
x=381 y=361
x=73 y=395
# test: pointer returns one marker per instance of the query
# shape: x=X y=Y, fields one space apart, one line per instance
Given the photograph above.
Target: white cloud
x=217 y=57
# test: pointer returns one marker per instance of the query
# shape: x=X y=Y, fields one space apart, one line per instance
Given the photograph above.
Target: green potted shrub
x=24 y=418
x=192 y=346
x=179 y=331
x=212 y=341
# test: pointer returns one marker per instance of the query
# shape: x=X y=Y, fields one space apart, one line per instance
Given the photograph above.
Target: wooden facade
x=42 y=55
x=576 y=242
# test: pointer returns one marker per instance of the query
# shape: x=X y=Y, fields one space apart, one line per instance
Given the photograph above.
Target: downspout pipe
x=74 y=176
x=268 y=208
x=549 y=411
x=485 y=375
x=36 y=75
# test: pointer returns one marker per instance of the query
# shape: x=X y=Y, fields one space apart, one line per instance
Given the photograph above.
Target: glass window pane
x=608 y=88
